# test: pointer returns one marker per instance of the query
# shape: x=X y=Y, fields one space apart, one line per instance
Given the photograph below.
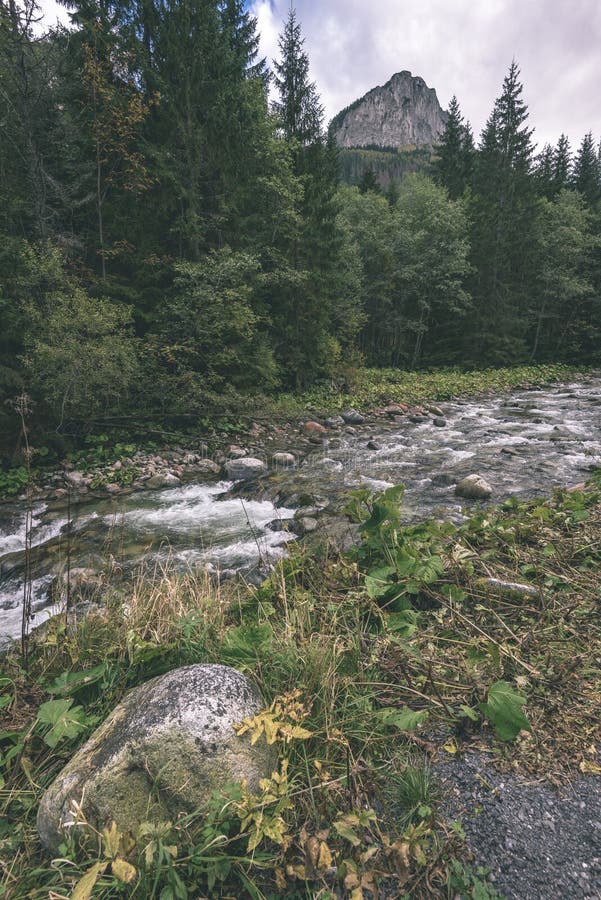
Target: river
x=524 y=444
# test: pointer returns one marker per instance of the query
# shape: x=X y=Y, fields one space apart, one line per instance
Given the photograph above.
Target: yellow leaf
x=123 y=870
x=110 y=840
x=84 y=887
x=450 y=748
x=296 y=871
x=589 y=768
x=324 y=860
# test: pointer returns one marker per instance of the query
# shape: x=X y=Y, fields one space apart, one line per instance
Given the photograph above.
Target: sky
x=461 y=47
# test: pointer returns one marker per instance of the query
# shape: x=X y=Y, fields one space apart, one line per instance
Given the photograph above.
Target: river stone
x=334 y=421
x=283 y=460
x=160 y=754
x=249 y=467
x=162 y=480
x=352 y=417
x=474 y=487
x=314 y=429
x=439 y=422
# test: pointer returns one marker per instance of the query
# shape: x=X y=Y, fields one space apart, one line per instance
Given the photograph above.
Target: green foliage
x=65 y=720
x=504 y=709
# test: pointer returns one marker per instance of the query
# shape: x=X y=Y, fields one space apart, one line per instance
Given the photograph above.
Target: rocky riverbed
x=236 y=509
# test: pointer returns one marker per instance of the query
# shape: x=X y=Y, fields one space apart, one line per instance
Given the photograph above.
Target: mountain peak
x=402 y=113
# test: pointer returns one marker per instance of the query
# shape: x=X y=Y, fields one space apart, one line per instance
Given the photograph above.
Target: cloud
x=458 y=47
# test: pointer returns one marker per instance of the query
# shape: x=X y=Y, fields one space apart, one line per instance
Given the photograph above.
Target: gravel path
x=537 y=842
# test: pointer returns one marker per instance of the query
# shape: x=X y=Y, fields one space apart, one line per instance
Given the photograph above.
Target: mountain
x=403 y=114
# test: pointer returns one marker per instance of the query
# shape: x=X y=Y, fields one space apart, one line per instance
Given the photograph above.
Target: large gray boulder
x=248 y=467
x=160 y=754
x=474 y=487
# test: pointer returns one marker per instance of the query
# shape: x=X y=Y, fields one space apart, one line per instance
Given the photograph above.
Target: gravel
x=536 y=841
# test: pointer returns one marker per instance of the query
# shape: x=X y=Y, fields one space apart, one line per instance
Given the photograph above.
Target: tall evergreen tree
x=299 y=108
x=452 y=166
x=544 y=172
x=586 y=177
x=562 y=164
x=504 y=211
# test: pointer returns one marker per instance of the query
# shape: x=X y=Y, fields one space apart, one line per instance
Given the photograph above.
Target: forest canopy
x=174 y=228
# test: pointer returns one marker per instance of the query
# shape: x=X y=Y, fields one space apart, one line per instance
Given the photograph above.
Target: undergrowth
x=422 y=641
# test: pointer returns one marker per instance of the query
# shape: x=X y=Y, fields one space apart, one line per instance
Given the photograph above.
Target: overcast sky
x=461 y=47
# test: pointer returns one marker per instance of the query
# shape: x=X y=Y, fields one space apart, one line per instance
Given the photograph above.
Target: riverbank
x=426 y=643
x=112 y=455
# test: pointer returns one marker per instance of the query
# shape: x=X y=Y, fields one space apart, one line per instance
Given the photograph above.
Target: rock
x=111 y=487
x=334 y=422
x=308 y=512
x=305 y=524
x=283 y=460
x=206 y=467
x=395 y=409
x=352 y=417
x=404 y=112
x=313 y=429
x=77 y=479
x=248 y=467
x=235 y=452
x=510 y=451
x=418 y=419
x=161 y=753
x=280 y=525
x=435 y=410
x=439 y=422
x=474 y=487
x=373 y=445
x=162 y=480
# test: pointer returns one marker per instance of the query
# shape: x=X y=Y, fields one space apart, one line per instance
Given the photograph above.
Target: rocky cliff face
x=403 y=113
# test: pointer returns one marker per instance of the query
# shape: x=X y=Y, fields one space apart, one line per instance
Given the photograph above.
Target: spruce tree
x=299 y=109
x=449 y=168
x=504 y=212
x=544 y=172
x=586 y=177
x=562 y=164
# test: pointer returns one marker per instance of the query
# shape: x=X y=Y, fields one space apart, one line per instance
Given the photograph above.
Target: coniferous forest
x=175 y=232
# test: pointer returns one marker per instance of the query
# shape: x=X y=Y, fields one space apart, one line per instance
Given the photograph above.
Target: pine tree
x=451 y=167
x=562 y=164
x=369 y=182
x=586 y=177
x=544 y=172
x=504 y=211
x=299 y=109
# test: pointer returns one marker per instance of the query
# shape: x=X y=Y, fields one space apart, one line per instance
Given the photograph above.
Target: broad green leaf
x=66 y=720
x=403 y=719
x=504 y=709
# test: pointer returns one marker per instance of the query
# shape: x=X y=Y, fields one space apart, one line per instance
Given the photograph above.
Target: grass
x=378 y=662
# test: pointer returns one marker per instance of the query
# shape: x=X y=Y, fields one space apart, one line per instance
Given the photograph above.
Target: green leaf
x=504 y=710
x=66 y=721
x=403 y=719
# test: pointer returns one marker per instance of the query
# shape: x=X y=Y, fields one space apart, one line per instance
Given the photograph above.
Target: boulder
x=283 y=460
x=162 y=480
x=160 y=754
x=242 y=469
x=334 y=422
x=373 y=445
x=474 y=487
x=77 y=480
x=313 y=429
x=305 y=524
x=352 y=417
x=439 y=422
